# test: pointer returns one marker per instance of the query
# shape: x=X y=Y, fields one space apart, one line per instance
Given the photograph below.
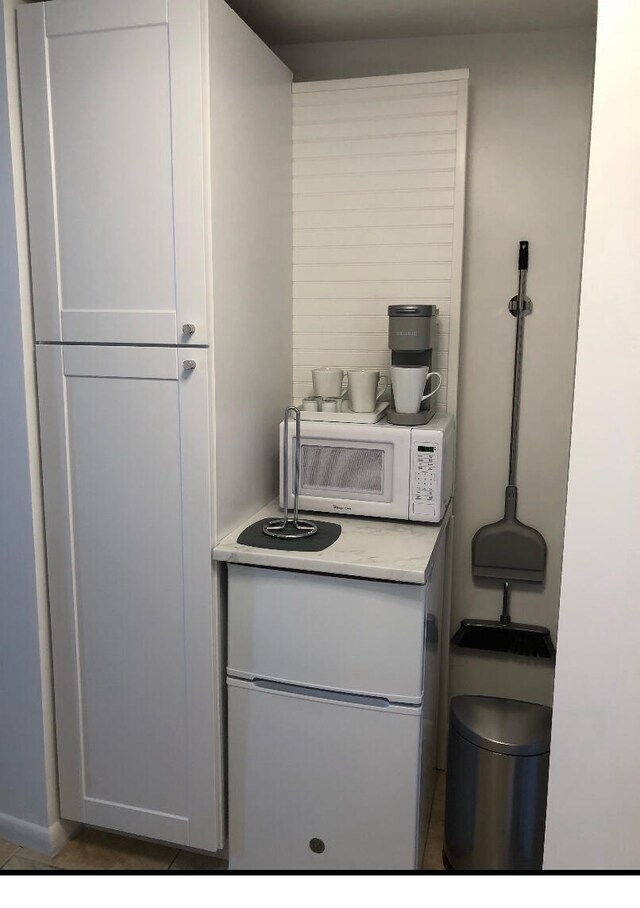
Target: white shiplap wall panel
x=330 y=130
x=314 y=184
x=366 y=200
x=409 y=254
x=317 y=238
x=375 y=163
x=373 y=271
x=342 y=90
x=372 y=217
x=394 y=144
x=360 y=307
x=370 y=290
x=378 y=199
x=366 y=109
x=354 y=325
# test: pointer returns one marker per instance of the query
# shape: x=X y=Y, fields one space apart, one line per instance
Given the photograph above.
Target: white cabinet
x=127 y=510
x=157 y=137
x=114 y=143
x=333 y=690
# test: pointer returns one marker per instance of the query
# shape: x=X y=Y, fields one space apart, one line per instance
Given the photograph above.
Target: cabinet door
x=133 y=610
x=113 y=135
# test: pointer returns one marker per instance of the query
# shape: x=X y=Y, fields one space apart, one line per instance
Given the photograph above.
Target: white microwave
x=379 y=470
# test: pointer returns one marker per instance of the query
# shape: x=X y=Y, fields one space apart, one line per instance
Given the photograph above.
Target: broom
x=509 y=550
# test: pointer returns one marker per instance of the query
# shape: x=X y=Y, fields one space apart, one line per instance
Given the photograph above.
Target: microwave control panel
x=425 y=482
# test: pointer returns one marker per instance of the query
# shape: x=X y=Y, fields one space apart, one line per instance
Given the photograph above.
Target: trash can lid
x=503 y=726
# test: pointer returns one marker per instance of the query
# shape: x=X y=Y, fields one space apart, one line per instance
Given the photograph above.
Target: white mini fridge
x=332 y=706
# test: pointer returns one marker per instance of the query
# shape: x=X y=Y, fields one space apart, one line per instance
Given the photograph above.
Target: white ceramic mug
x=363 y=385
x=408 y=384
x=330 y=405
x=311 y=404
x=327 y=382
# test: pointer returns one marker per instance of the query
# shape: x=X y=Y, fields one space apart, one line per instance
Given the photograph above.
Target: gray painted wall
x=530 y=104
x=28 y=799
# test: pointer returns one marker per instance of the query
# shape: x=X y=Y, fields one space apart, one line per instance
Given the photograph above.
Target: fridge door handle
x=299 y=690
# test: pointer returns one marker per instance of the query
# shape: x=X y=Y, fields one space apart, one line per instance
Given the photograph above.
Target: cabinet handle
x=188 y=329
x=189 y=365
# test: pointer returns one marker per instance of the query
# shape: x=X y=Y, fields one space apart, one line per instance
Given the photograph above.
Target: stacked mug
x=329 y=395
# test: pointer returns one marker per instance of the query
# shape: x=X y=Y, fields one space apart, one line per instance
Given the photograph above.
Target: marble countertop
x=372 y=548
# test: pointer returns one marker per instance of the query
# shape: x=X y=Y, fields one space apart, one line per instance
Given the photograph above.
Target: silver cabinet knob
x=189 y=365
x=188 y=329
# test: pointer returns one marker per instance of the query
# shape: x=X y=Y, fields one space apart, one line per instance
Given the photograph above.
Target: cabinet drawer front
x=333 y=633
x=304 y=769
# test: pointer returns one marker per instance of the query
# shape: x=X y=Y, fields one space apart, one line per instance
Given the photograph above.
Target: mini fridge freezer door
x=327 y=632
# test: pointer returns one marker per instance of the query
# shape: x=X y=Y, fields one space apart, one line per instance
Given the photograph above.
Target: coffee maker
x=412 y=341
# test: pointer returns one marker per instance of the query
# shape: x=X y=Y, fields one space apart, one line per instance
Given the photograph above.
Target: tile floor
x=435 y=835
x=96 y=850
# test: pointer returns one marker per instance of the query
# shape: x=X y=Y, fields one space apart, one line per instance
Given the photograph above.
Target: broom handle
x=522 y=310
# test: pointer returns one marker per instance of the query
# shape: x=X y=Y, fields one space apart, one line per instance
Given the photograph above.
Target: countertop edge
x=230 y=552
x=274 y=559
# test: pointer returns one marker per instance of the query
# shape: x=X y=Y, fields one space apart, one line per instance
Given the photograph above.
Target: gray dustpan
x=509 y=549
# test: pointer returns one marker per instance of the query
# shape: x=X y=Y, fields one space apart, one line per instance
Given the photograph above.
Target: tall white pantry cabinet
x=157 y=137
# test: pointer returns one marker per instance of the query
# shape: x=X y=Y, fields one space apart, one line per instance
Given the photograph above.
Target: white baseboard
x=45 y=839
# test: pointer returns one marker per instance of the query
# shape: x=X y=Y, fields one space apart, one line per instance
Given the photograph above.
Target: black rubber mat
x=326 y=536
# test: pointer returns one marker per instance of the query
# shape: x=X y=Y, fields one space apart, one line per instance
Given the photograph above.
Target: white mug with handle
x=408 y=383
x=363 y=389
x=327 y=382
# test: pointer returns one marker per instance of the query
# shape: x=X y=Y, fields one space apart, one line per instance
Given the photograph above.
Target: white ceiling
x=305 y=21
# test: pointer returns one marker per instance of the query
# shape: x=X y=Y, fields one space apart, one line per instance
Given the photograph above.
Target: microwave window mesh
x=343 y=469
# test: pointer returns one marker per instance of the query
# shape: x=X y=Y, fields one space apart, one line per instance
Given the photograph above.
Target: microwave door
x=357 y=475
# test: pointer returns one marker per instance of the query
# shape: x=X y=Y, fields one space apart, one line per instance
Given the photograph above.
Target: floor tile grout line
x=13 y=854
x=434 y=834
x=28 y=855
x=173 y=859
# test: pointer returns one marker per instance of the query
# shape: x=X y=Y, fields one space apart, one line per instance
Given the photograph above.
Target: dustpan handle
x=505 y=617
x=522 y=308
x=523 y=255
x=510 y=502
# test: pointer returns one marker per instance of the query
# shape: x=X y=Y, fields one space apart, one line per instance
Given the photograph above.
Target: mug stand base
x=350 y=416
x=421 y=418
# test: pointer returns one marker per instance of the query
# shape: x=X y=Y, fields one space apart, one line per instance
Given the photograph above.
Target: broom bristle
x=521 y=640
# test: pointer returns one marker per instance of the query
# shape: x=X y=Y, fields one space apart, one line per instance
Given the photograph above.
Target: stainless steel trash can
x=497 y=774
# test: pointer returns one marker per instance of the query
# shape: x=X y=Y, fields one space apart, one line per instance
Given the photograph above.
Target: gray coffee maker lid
x=412 y=311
